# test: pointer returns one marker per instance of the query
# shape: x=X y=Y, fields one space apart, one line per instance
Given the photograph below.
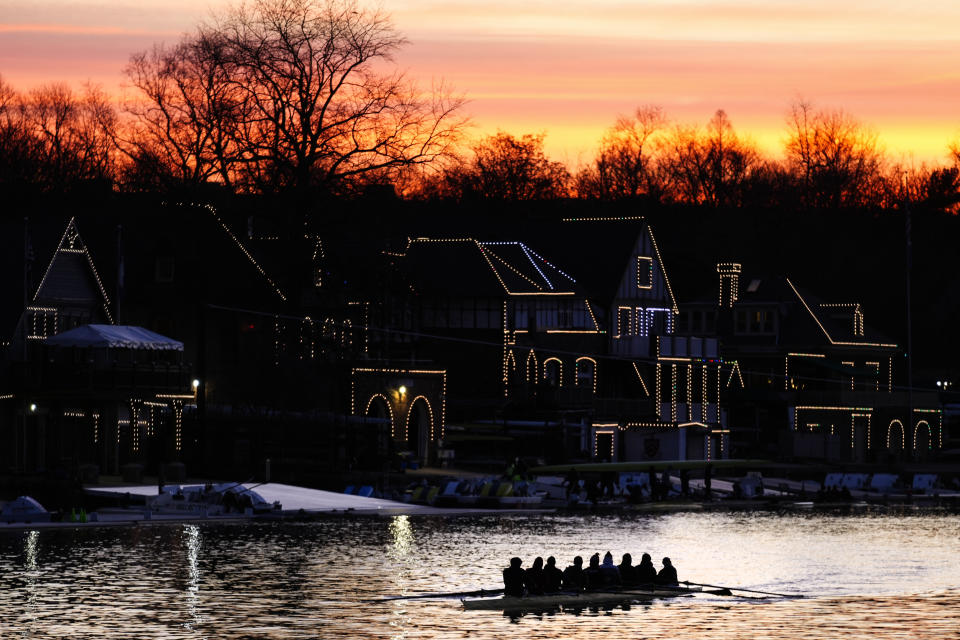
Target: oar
x=451 y=594
x=766 y=593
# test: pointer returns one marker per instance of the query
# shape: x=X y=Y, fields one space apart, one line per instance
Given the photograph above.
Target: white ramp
x=292 y=498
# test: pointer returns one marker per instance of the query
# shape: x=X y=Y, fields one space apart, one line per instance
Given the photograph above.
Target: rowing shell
x=535 y=603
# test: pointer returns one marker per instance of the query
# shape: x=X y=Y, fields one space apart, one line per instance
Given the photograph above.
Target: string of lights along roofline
x=557 y=351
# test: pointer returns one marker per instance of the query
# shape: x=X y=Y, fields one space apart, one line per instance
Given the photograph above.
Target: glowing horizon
x=568 y=69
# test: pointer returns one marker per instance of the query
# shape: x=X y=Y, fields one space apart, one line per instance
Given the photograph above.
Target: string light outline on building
x=576 y=367
x=604 y=219
x=526 y=252
x=73 y=238
x=827 y=334
x=903 y=434
x=706 y=400
x=406 y=428
x=729 y=274
x=735 y=369
x=848 y=363
x=640 y=378
x=240 y=245
x=603 y=430
x=508 y=266
x=531 y=355
x=876 y=366
x=857 y=314
x=443 y=395
x=853 y=428
x=596 y=325
x=649 y=272
x=386 y=401
x=546 y=373
x=663 y=270
x=530 y=252
x=786 y=365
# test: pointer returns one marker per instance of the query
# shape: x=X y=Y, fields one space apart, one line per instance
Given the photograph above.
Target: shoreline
x=137 y=517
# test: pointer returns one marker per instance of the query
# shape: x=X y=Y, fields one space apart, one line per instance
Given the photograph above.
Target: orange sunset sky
x=568 y=68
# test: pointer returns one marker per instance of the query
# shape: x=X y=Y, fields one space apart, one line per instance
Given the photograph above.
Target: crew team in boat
x=540 y=579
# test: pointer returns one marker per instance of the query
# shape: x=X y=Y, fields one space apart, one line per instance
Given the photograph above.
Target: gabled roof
x=829 y=326
x=817 y=320
x=267 y=279
x=529 y=265
x=113 y=336
x=71 y=276
x=599 y=250
x=466 y=266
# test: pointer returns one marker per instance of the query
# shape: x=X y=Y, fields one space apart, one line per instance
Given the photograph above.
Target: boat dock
x=134 y=506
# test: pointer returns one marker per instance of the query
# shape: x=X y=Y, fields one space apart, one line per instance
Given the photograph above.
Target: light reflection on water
x=865 y=576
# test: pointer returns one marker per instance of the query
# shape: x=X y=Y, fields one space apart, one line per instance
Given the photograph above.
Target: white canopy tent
x=113 y=337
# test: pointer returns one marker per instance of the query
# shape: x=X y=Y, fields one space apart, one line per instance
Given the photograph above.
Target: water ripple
x=870 y=575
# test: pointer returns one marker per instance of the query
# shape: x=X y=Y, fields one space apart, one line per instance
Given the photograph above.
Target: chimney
x=729 y=283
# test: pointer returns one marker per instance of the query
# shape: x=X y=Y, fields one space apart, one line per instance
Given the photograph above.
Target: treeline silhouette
x=303 y=97
x=830 y=161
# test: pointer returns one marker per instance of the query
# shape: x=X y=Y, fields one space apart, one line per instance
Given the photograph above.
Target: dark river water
x=890 y=574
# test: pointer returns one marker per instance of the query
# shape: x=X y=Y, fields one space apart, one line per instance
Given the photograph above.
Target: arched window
x=586 y=373
x=922 y=437
x=553 y=372
x=510 y=374
x=531 y=366
x=379 y=407
x=329 y=331
x=419 y=428
x=306 y=339
x=895 y=436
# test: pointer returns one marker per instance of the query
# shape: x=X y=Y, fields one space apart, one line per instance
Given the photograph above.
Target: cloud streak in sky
x=569 y=68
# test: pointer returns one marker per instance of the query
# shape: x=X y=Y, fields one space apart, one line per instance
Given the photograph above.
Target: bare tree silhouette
x=836 y=160
x=52 y=139
x=713 y=166
x=508 y=168
x=287 y=94
x=185 y=123
x=627 y=164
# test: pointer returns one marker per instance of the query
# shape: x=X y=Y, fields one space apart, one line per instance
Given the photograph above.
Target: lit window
x=644 y=272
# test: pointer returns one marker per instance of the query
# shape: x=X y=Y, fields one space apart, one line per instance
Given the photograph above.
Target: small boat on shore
x=24 y=510
x=570 y=600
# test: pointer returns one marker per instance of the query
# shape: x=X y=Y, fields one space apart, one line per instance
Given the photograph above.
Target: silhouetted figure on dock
x=573 y=578
x=534 y=578
x=513 y=579
x=552 y=576
x=645 y=572
x=667 y=575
